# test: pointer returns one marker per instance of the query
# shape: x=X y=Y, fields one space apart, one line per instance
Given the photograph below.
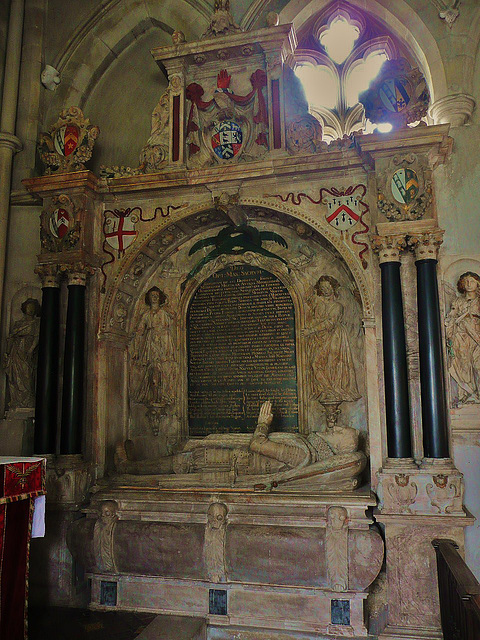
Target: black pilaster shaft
x=47 y=373
x=73 y=371
x=432 y=374
x=395 y=364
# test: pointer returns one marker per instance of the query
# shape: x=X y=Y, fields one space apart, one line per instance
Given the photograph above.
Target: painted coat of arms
x=399 y=95
x=227 y=139
x=68 y=144
x=228 y=125
x=59 y=225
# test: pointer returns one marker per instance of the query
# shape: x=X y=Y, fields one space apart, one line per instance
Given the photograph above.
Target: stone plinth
x=262 y=558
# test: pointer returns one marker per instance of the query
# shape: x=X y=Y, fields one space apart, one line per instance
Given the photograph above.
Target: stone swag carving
x=264 y=460
x=214 y=547
x=20 y=356
x=153 y=353
x=337 y=548
x=463 y=340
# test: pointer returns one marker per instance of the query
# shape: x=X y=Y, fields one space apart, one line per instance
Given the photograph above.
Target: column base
x=395 y=632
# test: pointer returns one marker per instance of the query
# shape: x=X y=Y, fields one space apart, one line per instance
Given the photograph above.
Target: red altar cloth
x=21 y=481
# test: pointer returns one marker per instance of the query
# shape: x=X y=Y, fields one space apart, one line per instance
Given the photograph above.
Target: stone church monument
x=258 y=371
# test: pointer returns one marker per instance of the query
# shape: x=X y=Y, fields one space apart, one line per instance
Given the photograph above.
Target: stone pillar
x=430 y=339
x=397 y=408
x=9 y=143
x=47 y=377
x=73 y=368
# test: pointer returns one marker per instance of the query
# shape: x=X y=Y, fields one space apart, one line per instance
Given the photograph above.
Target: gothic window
x=340 y=52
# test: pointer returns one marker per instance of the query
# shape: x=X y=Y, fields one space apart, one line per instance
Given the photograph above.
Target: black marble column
x=73 y=371
x=46 y=400
x=432 y=372
x=397 y=408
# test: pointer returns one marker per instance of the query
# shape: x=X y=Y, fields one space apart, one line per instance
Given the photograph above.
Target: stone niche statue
x=21 y=356
x=153 y=353
x=463 y=339
x=263 y=460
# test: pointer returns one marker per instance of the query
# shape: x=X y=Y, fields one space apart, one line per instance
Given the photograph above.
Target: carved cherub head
x=108 y=510
x=155 y=297
x=217 y=515
x=337 y=518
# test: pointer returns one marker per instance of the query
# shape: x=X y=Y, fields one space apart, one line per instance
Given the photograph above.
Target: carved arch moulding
x=166 y=234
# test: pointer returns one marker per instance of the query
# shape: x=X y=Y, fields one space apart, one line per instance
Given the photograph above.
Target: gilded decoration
x=60 y=226
x=405 y=189
x=399 y=95
x=69 y=143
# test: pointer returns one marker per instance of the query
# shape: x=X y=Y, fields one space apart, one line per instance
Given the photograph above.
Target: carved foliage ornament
x=59 y=225
x=68 y=144
x=399 y=95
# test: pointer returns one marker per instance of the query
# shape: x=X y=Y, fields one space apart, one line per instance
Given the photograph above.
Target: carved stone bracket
x=455 y=109
x=425 y=245
x=433 y=490
x=447 y=11
x=388 y=248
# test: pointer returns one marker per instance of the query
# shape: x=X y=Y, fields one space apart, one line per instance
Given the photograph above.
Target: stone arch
x=396 y=15
x=300 y=213
x=108 y=32
x=345 y=270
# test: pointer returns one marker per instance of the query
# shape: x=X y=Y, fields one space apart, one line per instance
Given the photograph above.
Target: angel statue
x=331 y=368
x=154 y=353
x=463 y=339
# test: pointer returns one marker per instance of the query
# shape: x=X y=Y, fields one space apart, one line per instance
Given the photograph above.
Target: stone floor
x=56 y=623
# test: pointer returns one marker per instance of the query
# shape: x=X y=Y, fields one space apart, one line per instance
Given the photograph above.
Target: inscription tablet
x=241 y=352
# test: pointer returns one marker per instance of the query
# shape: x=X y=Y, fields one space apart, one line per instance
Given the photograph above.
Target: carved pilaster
x=103 y=537
x=426 y=245
x=214 y=547
x=388 y=248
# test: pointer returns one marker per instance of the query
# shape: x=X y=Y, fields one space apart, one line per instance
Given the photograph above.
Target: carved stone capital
x=49 y=274
x=388 y=248
x=455 y=110
x=425 y=245
x=77 y=273
x=9 y=141
x=68 y=481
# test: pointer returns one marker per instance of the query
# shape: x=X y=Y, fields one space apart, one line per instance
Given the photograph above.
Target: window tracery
x=341 y=51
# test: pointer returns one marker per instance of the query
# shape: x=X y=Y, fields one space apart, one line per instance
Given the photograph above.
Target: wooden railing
x=459 y=594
